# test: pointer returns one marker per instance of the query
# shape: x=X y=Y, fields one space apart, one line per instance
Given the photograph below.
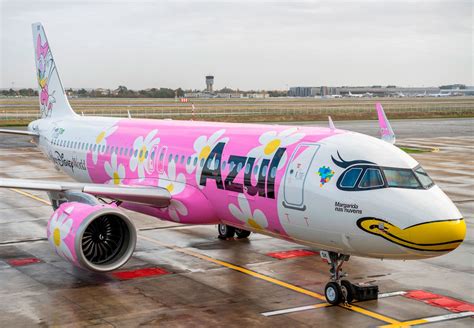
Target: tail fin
x=52 y=98
x=386 y=131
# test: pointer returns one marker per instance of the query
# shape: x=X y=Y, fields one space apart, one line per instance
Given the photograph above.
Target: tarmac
x=196 y=279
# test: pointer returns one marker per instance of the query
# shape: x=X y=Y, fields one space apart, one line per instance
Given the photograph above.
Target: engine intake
x=98 y=237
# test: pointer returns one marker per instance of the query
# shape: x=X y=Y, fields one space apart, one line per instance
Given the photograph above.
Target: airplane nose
x=438 y=236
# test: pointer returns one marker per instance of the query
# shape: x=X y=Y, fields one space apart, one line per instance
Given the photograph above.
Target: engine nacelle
x=95 y=237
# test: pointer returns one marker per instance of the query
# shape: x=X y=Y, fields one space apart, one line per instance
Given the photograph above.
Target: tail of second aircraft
x=52 y=98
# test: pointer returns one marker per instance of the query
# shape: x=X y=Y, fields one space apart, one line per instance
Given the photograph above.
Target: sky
x=246 y=45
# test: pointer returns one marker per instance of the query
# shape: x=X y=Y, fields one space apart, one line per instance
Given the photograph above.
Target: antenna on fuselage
x=331 y=123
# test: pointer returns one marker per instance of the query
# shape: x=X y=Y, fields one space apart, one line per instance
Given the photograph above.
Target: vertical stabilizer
x=386 y=132
x=52 y=98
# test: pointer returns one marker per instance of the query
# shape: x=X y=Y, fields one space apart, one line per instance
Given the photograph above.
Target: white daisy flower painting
x=255 y=219
x=100 y=144
x=175 y=184
x=272 y=140
x=115 y=172
x=203 y=146
x=59 y=228
x=143 y=147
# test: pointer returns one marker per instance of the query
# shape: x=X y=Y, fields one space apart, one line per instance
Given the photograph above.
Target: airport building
x=377 y=91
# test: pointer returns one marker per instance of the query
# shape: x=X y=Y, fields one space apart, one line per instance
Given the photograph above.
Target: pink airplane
x=340 y=192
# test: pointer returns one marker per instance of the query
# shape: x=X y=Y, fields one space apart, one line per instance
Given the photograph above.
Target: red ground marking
x=291 y=254
x=441 y=301
x=132 y=274
x=25 y=261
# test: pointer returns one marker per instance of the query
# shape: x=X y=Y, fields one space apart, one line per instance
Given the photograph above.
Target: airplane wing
x=19 y=132
x=159 y=197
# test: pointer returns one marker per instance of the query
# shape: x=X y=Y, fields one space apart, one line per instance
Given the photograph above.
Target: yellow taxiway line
x=273 y=281
x=248 y=272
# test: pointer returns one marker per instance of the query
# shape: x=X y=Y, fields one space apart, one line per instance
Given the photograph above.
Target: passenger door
x=296 y=175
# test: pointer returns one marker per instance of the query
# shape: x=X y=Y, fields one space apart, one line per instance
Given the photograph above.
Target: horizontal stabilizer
x=159 y=197
x=19 y=132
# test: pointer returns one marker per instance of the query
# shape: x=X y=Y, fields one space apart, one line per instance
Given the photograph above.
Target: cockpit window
x=350 y=177
x=401 y=178
x=372 y=179
x=424 y=178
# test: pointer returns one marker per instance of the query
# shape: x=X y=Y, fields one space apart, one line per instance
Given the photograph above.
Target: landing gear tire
x=242 y=233
x=333 y=293
x=348 y=290
x=225 y=231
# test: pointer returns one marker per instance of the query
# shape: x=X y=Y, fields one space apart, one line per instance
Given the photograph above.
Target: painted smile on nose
x=434 y=236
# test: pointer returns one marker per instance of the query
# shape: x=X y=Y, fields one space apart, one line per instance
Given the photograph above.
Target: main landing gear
x=338 y=290
x=226 y=231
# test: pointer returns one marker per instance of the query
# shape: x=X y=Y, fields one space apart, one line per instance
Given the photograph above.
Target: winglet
x=386 y=132
x=331 y=123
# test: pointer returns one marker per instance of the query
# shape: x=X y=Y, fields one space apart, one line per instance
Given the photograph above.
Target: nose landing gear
x=339 y=290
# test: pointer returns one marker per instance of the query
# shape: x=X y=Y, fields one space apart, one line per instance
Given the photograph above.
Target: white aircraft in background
x=357 y=95
x=441 y=94
x=419 y=95
x=339 y=192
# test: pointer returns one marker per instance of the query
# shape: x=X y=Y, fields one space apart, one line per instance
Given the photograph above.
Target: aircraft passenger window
x=247 y=168
x=231 y=166
x=423 y=177
x=176 y=158
x=209 y=163
x=401 y=178
x=162 y=155
x=273 y=172
x=189 y=160
x=182 y=159
x=216 y=165
x=195 y=161
x=239 y=167
x=350 y=177
x=121 y=151
x=264 y=171
x=224 y=163
x=103 y=148
x=372 y=178
x=67 y=146
x=135 y=153
x=170 y=158
x=202 y=162
x=255 y=169
x=146 y=154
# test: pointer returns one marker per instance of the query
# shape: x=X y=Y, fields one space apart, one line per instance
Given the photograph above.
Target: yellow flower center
x=116 y=178
x=57 y=237
x=272 y=146
x=142 y=154
x=253 y=224
x=170 y=187
x=42 y=83
x=100 y=137
x=205 y=151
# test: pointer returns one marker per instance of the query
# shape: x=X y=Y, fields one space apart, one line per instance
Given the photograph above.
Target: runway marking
x=27 y=194
x=438 y=318
x=295 y=309
x=249 y=272
x=320 y=305
x=272 y=280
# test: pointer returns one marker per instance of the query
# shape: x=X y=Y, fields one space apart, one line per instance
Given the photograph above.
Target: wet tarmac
x=233 y=283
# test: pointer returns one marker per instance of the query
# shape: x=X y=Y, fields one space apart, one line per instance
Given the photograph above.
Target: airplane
x=419 y=95
x=357 y=95
x=339 y=192
x=441 y=94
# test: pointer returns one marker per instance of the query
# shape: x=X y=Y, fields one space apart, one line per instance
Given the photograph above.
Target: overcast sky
x=245 y=44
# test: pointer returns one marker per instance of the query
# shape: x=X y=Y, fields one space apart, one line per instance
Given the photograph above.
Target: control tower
x=209 y=82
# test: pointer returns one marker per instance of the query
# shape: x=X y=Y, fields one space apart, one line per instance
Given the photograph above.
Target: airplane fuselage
x=283 y=181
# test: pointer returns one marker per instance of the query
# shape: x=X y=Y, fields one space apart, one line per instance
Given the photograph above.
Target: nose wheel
x=337 y=290
x=226 y=232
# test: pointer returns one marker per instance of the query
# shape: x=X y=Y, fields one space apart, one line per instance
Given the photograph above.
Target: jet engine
x=97 y=237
